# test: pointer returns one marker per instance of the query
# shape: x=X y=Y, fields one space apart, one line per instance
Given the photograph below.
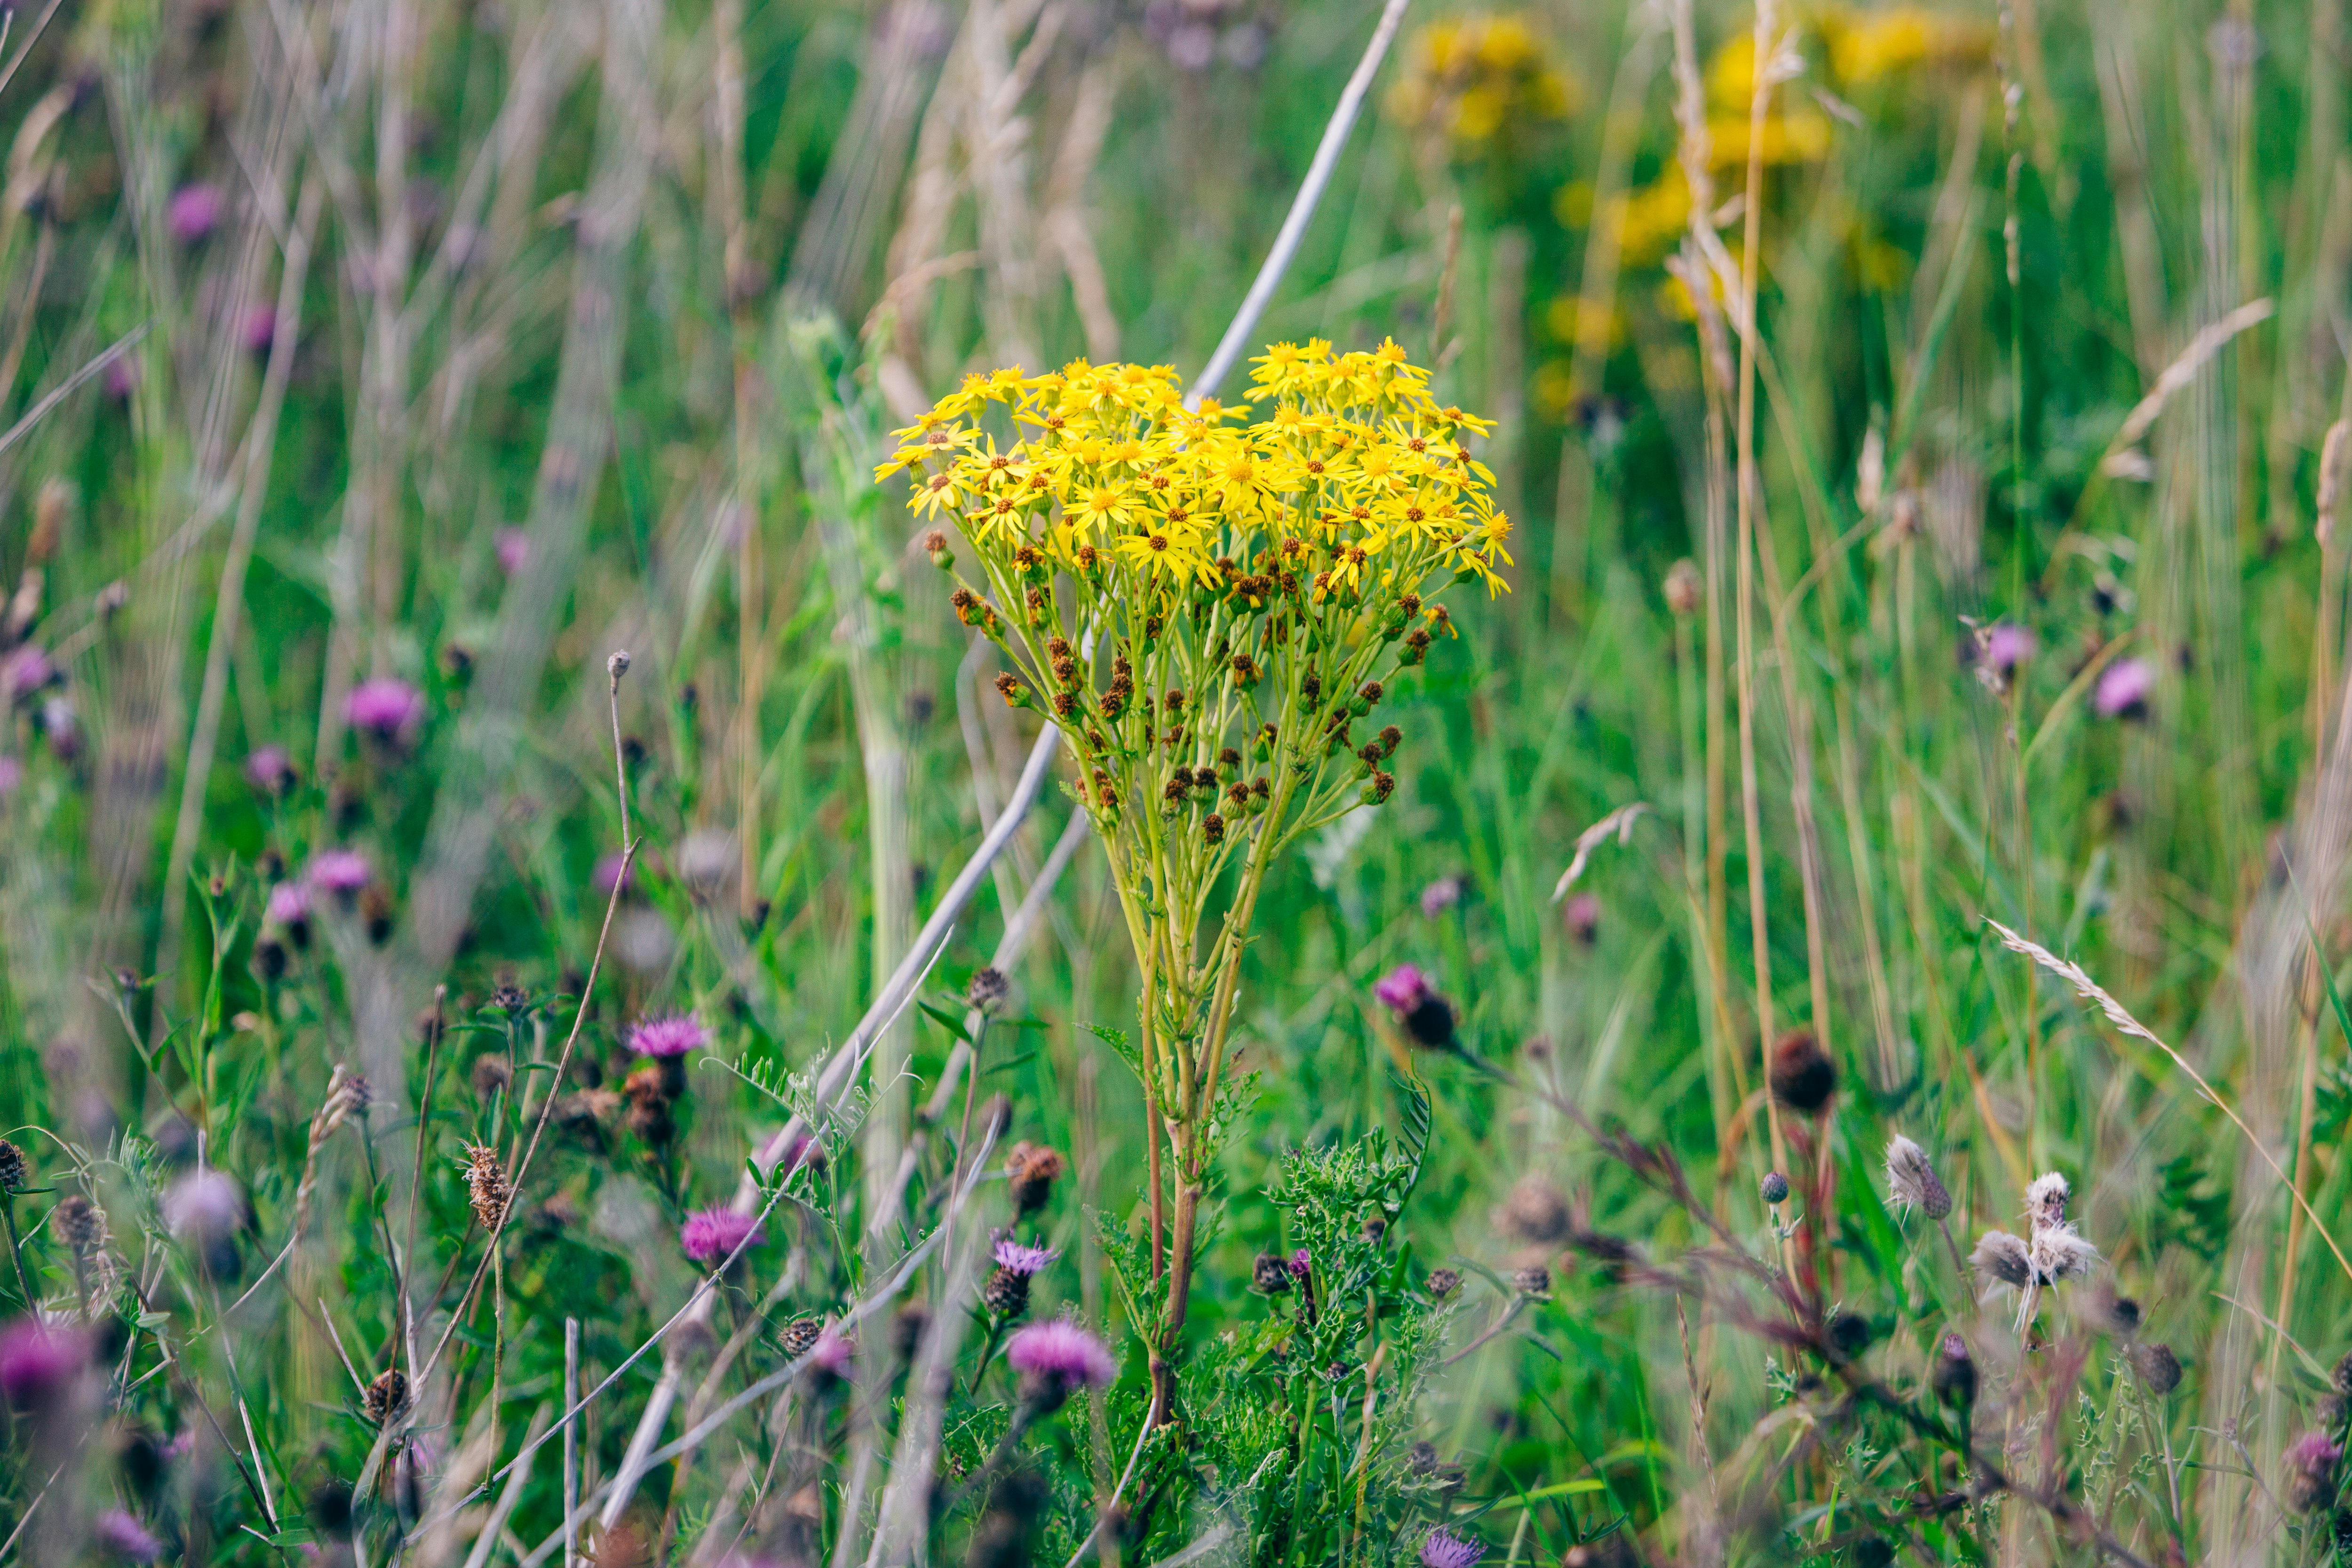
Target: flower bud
x=1773 y=1188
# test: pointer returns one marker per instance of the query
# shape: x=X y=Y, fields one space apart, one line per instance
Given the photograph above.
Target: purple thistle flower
x=26 y=672
x=711 y=1235
x=123 y=376
x=1402 y=989
x=386 y=708
x=833 y=1352
x=341 y=872
x=1424 y=1015
x=1023 y=1260
x=61 y=729
x=2008 y=645
x=125 y=1539
x=2123 y=689
x=1582 y=917
x=668 y=1036
x=2311 y=1464
x=513 y=550
x=1442 y=895
x=1300 y=1264
x=203 y=1206
x=1057 y=1359
x=1443 y=1549
x=11 y=774
x=270 y=770
x=609 y=872
x=192 y=212
x=36 y=1362
x=258 y=328
x=290 y=903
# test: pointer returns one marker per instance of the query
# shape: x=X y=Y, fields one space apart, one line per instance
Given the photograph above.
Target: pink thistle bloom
x=123 y=376
x=339 y=871
x=608 y=873
x=1442 y=895
x=2123 y=689
x=204 y=1205
x=1581 y=916
x=833 y=1352
x=36 y=1362
x=711 y=1236
x=1300 y=1263
x=513 y=548
x=1057 y=1359
x=1402 y=989
x=192 y=212
x=11 y=774
x=26 y=672
x=125 y=1539
x=2007 y=646
x=386 y=708
x=269 y=769
x=290 y=902
x=2311 y=1464
x=1446 y=1550
x=1023 y=1260
x=258 y=328
x=670 y=1036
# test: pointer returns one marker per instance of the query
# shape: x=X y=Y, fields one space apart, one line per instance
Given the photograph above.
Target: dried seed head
x=2157 y=1367
x=1773 y=1189
x=1912 y=1181
x=13 y=1168
x=1683 y=589
x=1848 y=1335
x=801 y=1336
x=491 y=1074
x=908 y=1326
x=2003 y=1259
x=2343 y=1378
x=388 y=1396
x=1270 y=1274
x=2045 y=1200
x=1804 y=1077
x=1535 y=1280
x=1535 y=1213
x=1442 y=1283
x=1031 y=1171
x=486 y=1185
x=81 y=1224
x=988 y=989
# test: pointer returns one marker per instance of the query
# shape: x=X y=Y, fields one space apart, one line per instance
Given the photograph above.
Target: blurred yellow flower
x=1470 y=80
x=1870 y=45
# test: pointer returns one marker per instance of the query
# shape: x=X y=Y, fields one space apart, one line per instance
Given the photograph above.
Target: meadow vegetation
x=758 y=812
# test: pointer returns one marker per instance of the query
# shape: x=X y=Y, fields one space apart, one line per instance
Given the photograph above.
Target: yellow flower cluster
x=1104 y=473
x=1468 y=79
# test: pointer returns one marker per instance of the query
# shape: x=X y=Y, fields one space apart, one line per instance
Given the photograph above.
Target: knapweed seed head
x=1442 y=1283
x=2157 y=1366
x=1802 y=1076
x=1534 y=1214
x=711 y=1236
x=988 y=990
x=1912 y=1181
x=1057 y=1359
x=13 y=1168
x=81 y=1224
x=486 y=1185
x=1773 y=1189
x=386 y=1396
x=800 y=1336
x=1270 y=1274
x=1029 y=1170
